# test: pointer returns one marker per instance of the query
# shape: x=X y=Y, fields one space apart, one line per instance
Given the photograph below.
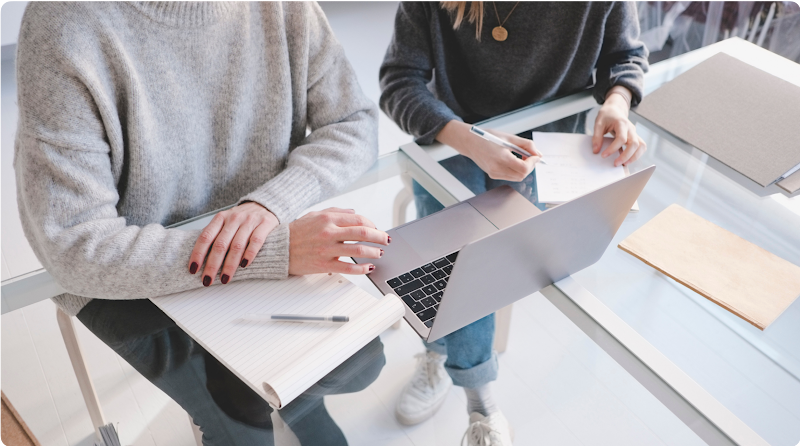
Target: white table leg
x=81 y=371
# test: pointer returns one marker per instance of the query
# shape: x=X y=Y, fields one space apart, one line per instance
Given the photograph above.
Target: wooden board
x=15 y=431
x=737 y=275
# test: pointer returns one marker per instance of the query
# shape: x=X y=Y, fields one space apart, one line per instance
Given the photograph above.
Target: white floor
x=556 y=386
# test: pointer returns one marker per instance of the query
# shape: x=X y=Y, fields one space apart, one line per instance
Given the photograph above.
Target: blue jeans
x=228 y=412
x=471 y=361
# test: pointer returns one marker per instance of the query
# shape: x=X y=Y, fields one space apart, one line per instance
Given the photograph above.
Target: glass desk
x=616 y=354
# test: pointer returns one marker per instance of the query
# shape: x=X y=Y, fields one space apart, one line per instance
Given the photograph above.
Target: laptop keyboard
x=422 y=288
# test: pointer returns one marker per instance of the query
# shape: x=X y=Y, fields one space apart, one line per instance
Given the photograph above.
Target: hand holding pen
x=496 y=160
x=518 y=151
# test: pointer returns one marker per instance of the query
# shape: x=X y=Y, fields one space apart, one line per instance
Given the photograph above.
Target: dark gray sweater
x=432 y=74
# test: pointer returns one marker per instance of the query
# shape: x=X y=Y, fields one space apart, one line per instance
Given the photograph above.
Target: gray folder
x=742 y=116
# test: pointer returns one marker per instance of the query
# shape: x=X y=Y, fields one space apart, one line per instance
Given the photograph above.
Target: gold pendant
x=499 y=33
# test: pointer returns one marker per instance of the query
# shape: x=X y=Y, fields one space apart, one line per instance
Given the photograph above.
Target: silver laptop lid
x=508 y=265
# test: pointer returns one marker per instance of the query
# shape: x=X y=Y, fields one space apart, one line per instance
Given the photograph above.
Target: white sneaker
x=426 y=392
x=493 y=430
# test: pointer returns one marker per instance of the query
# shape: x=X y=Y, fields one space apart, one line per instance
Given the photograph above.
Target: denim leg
x=227 y=410
x=471 y=361
x=151 y=342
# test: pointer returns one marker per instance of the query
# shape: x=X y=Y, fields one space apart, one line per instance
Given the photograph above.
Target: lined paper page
x=288 y=357
x=572 y=168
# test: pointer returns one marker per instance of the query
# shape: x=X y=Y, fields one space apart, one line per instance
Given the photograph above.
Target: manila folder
x=737 y=275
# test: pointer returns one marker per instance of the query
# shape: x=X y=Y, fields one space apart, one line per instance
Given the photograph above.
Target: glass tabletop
x=755 y=374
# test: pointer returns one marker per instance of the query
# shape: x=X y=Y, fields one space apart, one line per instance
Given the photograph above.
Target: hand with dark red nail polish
x=389 y=239
x=231 y=240
x=371 y=268
x=193 y=268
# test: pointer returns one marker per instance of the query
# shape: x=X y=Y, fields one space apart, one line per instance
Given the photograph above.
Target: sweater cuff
x=272 y=261
x=439 y=119
x=633 y=85
x=288 y=194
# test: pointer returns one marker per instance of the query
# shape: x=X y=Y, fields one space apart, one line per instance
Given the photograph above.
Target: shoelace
x=480 y=434
x=427 y=373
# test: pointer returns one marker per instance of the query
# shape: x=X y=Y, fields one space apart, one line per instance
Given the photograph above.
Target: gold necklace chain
x=499 y=33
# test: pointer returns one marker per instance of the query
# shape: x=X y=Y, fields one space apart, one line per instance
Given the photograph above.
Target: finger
x=236 y=251
x=361 y=234
x=219 y=249
x=620 y=138
x=516 y=169
x=339 y=210
x=344 y=220
x=531 y=163
x=340 y=267
x=630 y=149
x=204 y=241
x=255 y=243
x=639 y=153
x=356 y=250
x=524 y=143
x=597 y=137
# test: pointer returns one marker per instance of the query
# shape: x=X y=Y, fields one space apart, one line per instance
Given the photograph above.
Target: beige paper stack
x=737 y=275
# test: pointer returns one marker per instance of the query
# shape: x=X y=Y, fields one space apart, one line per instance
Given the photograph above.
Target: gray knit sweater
x=433 y=74
x=137 y=116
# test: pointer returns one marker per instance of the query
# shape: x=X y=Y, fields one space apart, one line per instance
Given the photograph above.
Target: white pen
x=491 y=138
x=295 y=318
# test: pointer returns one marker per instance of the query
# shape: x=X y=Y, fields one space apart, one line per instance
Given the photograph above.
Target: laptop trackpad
x=446 y=231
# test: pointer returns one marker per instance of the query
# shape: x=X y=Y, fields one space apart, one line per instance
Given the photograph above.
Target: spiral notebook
x=280 y=360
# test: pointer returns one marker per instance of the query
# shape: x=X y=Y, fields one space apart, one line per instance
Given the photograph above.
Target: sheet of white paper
x=572 y=169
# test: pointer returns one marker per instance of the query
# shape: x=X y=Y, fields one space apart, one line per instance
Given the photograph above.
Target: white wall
x=10 y=19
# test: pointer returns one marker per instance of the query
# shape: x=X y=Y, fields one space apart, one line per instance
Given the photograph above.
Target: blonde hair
x=475 y=14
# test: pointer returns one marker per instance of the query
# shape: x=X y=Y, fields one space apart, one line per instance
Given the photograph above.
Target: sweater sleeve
x=623 y=57
x=67 y=192
x=407 y=68
x=342 y=142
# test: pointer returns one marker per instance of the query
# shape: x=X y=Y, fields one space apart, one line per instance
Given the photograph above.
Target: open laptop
x=468 y=260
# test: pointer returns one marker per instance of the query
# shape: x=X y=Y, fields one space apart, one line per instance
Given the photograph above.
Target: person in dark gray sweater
x=453 y=63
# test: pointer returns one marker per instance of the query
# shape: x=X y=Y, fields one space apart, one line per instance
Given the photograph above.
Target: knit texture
x=137 y=116
x=432 y=74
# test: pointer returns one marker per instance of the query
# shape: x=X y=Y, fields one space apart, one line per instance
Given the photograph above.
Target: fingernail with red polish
x=243 y=263
x=193 y=268
x=224 y=279
x=381 y=253
x=390 y=238
x=371 y=268
x=206 y=280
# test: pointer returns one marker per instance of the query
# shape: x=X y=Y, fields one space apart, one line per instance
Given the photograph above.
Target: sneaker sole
x=406 y=421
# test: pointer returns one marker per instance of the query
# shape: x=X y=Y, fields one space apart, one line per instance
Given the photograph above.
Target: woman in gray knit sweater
x=135 y=116
x=450 y=64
